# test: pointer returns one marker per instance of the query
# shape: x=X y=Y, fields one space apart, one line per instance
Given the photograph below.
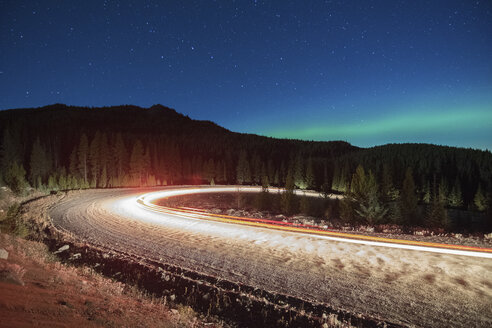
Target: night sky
x=368 y=72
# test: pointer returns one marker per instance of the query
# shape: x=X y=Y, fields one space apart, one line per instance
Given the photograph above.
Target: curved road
x=404 y=286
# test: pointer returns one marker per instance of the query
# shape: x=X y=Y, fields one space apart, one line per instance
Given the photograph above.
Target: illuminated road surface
x=147 y=201
x=422 y=285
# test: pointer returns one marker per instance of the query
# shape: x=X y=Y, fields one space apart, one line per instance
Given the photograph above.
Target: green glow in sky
x=443 y=127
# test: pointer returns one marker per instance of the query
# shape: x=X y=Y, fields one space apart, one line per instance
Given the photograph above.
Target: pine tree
x=52 y=184
x=479 y=200
x=427 y=193
x=15 y=178
x=146 y=166
x=276 y=179
x=62 y=180
x=120 y=159
x=73 y=166
x=39 y=163
x=243 y=172
x=358 y=184
x=95 y=159
x=256 y=172
x=10 y=150
x=443 y=192
x=347 y=213
x=104 y=160
x=455 y=197
x=270 y=171
x=365 y=193
x=103 y=181
x=310 y=178
x=388 y=191
x=288 y=200
x=436 y=212
x=209 y=170
x=83 y=158
x=136 y=163
x=265 y=181
x=408 y=201
x=299 y=176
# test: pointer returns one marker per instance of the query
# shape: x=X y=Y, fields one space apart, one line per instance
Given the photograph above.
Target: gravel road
x=408 y=287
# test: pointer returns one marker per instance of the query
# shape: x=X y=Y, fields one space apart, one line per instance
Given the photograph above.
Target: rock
x=4 y=254
x=76 y=256
x=62 y=249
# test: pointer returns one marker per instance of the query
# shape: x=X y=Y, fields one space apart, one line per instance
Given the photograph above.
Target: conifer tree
x=146 y=165
x=310 y=178
x=388 y=191
x=136 y=163
x=479 y=200
x=427 y=193
x=95 y=159
x=409 y=201
x=120 y=159
x=83 y=158
x=52 y=185
x=10 y=150
x=443 y=192
x=365 y=193
x=276 y=179
x=62 y=180
x=39 y=163
x=256 y=169
x=270 y=171
x=455 y=197
x=105 y=159
x=288 y=201
x=243 y=172
x=15 y=178
x=73 y=166
x=209 y=170
x=265 y=181
x=103 y=181
x=299 y=172
x=436 y=212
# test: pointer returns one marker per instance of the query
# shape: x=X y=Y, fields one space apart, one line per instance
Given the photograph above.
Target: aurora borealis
x=368 y=72
x=462 y=127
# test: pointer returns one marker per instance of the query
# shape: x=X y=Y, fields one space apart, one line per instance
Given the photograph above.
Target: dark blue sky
x=369 y=72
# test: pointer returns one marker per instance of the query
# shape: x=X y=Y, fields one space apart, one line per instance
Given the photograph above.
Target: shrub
x=13 y=222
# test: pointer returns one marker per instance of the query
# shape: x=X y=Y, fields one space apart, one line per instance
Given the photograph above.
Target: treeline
x=71 y=147
x=61 y=147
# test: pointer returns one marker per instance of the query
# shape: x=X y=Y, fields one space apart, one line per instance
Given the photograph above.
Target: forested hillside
x=61 y=147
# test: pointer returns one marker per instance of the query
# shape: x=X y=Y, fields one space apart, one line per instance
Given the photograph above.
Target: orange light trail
x=146 y=201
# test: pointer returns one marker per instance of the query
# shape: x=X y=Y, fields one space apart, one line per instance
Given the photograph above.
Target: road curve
x=400 y=285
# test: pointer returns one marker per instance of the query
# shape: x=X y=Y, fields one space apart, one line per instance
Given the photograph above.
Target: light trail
x=146 y=202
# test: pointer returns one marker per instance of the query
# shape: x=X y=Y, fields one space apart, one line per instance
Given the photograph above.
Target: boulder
x=62 y=249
